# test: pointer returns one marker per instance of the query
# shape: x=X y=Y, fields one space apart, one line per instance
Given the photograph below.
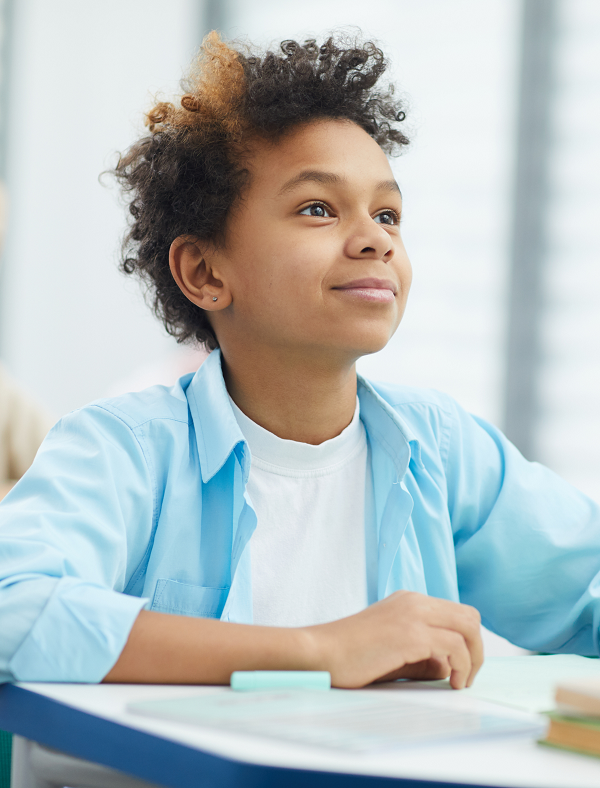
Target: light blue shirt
x=140 y=501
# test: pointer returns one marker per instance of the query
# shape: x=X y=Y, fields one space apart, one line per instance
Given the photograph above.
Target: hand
x=406 y=635
x=428 y=670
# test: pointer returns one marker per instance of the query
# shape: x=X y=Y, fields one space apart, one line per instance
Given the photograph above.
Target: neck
x=296 y=399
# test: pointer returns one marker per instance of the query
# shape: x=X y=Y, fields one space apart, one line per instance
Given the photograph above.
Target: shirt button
x=384 y=544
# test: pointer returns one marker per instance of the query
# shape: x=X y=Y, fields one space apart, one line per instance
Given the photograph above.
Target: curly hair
x=184 y=176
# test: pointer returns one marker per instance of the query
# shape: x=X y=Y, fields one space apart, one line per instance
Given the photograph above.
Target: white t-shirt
x=308 y=550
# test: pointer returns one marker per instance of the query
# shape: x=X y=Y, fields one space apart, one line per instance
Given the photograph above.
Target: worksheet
x=527 y=683
x=359 y=721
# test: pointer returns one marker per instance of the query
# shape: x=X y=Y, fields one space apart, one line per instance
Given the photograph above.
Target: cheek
x=404 y=270
x=273 y=262
x=269 y=281
x=288 y=268
x=407 y=280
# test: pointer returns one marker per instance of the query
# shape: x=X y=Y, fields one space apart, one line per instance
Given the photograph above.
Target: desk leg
x=35 y=766
x=22 y=773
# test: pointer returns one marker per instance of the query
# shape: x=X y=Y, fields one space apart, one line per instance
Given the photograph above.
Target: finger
x=474 y=644
x=463 y=619
x=452 y=645
x=432 y=669
x=438 y=668
x=477 y=657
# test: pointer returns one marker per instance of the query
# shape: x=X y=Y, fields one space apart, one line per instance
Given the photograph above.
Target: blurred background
x=501 y=191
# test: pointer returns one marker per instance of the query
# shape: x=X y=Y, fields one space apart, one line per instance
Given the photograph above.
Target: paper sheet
x=527 y=683
x=338 y=719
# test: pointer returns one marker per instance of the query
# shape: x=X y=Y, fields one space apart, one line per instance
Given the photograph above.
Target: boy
x=274 y=511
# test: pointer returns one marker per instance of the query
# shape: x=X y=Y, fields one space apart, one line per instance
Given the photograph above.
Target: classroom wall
x=70 y=324
x=568 y=427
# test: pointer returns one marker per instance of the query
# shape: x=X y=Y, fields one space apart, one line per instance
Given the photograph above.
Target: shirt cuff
x=79 y=635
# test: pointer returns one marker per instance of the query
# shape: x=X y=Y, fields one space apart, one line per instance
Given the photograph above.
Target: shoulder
x=407 y=397
x=427 y=415
x=131 y=438
x=417 y=406
x=449 y=437
x=139 y=422
x=167 y=404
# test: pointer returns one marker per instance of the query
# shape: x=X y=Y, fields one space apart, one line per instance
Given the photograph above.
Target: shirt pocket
x=183 y=599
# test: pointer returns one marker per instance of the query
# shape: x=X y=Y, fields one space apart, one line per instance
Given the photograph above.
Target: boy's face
x=313 y=261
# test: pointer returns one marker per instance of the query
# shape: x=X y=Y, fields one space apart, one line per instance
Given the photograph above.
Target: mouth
x=370 y=289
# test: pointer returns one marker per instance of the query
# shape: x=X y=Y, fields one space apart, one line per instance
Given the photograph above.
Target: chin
x=354 y=345
x=367 y=348
x=369 y=351
x=372 y=336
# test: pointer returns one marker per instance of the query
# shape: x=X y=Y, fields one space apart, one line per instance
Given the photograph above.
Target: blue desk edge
x=152 y=758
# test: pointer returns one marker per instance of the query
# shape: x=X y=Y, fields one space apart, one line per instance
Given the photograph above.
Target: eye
x=318 y=209
x=387 y=217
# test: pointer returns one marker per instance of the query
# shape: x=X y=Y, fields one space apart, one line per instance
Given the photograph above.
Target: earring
x=214 y=298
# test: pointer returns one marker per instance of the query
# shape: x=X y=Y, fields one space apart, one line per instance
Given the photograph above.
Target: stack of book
x=575 y=725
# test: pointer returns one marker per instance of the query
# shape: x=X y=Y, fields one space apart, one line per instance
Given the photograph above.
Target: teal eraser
x=280 y=679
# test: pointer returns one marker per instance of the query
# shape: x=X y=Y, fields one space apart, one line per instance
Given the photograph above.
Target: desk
x=91 y=722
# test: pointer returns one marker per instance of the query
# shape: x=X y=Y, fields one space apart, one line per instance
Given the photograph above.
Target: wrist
x=312 y=648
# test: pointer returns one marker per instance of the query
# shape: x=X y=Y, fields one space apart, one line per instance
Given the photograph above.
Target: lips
x=370 y=283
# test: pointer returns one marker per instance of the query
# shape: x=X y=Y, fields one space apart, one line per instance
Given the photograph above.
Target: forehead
x=339 y=147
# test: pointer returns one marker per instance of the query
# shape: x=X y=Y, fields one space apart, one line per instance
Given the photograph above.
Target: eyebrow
x=316 y=176
x=330 y=179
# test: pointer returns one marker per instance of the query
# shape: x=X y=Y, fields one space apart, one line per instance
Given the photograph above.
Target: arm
x=406 y=635
x=527 y=543
x=71 y=533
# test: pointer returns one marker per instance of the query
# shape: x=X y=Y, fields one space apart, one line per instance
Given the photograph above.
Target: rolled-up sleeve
x=527 y=543
x=72 y=533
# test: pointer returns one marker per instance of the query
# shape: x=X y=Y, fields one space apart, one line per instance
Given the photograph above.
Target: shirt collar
x=218 y=433
x=385 y=424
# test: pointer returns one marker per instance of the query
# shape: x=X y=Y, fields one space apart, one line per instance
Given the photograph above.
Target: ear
x=195 y=277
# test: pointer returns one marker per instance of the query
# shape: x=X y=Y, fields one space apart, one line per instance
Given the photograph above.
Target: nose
x=369 y=240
